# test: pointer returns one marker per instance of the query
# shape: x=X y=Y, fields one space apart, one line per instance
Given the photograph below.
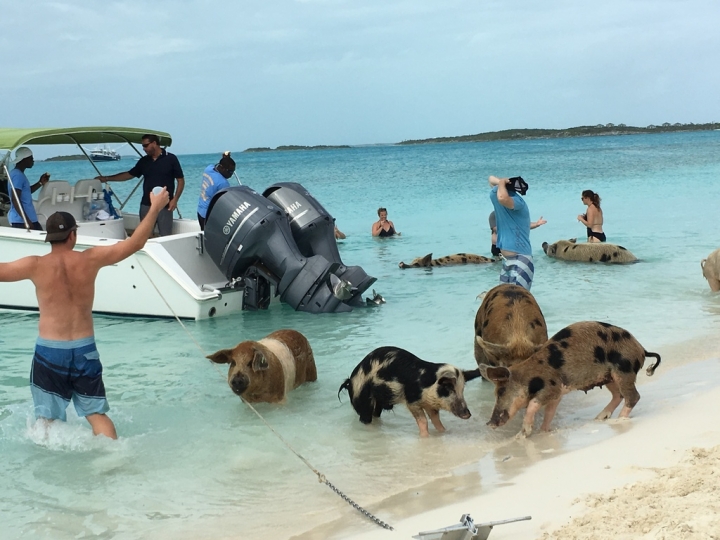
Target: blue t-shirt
x=20 y=181
x=212 y=182
x=513 y=226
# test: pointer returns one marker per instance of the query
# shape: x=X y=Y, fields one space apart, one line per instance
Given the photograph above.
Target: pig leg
x=631 y=395
x=421 y=420
x=550 y=409
x=614 y=402
x=434 y=415
x=527 y=426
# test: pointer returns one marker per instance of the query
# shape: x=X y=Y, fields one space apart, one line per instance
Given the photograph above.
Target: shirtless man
x=66 y=364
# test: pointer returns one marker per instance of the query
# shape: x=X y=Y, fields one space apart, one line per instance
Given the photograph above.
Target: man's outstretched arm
x=18 y=270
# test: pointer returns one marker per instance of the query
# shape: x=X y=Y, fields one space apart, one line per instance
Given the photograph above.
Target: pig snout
x=239 y=383
x=460 y=410
x=498 y=418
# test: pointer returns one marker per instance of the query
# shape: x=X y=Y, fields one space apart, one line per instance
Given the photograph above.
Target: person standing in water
x=382 y=227
x=593 y=219
x=66 y=365
x=513 y=230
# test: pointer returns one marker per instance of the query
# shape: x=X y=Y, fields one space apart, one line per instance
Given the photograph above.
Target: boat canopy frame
x=12 y=138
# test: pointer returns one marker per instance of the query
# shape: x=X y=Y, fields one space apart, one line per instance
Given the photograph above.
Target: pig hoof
x=603 y=416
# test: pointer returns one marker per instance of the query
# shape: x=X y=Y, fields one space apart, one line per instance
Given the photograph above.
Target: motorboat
x=247 y=256
x=104 y=154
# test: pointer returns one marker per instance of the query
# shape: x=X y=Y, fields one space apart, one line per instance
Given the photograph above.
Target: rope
x=321 y=477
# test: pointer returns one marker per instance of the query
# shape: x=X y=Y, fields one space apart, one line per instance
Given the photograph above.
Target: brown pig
x=579 y=357
x=390 y=375
x=711 y=270
x=509 y=326
x=448 y=260
x=266 y=370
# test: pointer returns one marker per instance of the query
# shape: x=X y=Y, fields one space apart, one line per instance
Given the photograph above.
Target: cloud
x=242 y=74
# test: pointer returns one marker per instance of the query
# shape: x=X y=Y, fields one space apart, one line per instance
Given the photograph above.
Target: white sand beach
x=654 y=476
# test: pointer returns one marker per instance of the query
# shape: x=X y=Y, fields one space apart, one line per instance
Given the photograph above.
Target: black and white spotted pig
x=579 y=357
x=390 y=375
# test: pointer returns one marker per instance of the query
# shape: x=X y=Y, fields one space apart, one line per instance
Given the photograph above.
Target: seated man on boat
x=214 y=179
x=159 y=169
x=66 y=365
x=20 y=191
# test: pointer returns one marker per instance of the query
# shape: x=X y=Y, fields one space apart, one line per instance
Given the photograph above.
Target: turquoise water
x=193 y=461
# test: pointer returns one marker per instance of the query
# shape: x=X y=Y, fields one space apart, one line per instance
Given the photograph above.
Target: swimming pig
x=449 y=260
x=711 y=270
x=509 y=326
x=569 y=250
x=266 y=370
x=579 y=357
x=390 y=375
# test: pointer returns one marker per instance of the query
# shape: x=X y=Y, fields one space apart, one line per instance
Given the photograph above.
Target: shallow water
x=193 y=461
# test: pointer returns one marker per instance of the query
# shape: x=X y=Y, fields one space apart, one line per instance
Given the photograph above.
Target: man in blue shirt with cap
x=20 y=191
x=513 y=230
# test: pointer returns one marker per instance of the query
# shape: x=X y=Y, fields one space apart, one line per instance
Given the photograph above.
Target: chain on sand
x=355 y=505
x=321 y=477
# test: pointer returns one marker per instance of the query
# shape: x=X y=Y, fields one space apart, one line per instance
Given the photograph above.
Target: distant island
x=296 y=147
x=580 y=131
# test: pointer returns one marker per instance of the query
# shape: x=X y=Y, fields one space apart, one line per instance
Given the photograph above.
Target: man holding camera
x=513 y=230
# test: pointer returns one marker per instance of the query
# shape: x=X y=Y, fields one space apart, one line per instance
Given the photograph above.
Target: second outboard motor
x=244 y=229
x=313 y=229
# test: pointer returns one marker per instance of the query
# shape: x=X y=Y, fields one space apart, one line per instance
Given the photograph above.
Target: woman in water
x=593 y=219
x=383 y=228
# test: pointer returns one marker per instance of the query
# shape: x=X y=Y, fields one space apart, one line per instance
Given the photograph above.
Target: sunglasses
x=145 y=145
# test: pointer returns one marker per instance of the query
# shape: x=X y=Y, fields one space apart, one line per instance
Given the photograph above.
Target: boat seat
x=85 y=188
x=52 y=189
x=57 y=196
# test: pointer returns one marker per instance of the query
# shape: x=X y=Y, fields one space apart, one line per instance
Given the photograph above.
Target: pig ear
x=496 y=350
x=495 y=374
x=259 y=363
x=470 y=375
x=221 y=357
x=449 y=382
x=425 y=261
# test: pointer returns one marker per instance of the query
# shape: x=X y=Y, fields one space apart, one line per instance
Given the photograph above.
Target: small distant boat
x=104 y=154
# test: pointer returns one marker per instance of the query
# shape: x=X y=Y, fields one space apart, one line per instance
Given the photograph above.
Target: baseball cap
x=59 y=226
x=516 y=183
x=22 y=153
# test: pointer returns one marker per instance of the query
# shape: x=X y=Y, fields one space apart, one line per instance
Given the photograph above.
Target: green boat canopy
x=11 y=138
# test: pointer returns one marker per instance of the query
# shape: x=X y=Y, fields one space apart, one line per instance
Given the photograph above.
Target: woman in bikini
x=593 y=219
x=383 y=228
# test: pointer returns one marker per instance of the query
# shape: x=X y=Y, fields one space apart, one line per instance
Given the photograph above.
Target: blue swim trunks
x=519 y=270
x=65 y=370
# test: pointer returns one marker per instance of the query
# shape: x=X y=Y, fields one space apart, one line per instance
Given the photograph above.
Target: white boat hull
x=171 y=276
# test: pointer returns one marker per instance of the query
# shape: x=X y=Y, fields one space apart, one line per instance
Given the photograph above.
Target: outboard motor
x=313 y=229
x=244 y=230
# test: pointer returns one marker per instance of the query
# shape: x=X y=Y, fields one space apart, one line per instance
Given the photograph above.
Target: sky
x=223 y=75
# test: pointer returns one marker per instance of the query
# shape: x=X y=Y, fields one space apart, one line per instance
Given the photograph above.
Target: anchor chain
x=321 y=477
x=352 y=503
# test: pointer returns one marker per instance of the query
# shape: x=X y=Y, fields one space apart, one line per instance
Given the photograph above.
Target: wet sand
x=652 y=475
